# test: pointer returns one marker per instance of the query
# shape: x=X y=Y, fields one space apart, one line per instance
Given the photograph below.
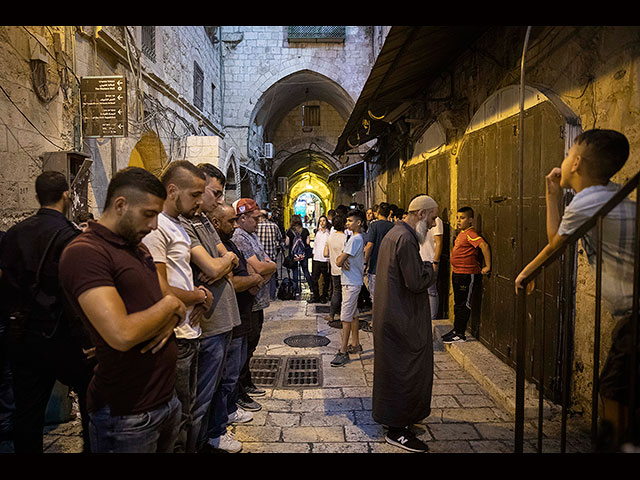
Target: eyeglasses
x=215 y=193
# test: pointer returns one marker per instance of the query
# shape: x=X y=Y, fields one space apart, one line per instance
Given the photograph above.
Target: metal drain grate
x=302 y=372
x=265 y=370
x=298 y=372
x=307 y=341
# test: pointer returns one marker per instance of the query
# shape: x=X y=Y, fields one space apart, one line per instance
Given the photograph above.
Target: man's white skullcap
x=422 y=202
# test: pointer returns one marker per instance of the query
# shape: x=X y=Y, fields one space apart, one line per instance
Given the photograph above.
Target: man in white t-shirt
x=351 y=261
x=430 y=251
x=320 y=263
x=333 y=249
x=170 y=247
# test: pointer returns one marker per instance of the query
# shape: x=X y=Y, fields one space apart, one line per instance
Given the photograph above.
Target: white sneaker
x=226 y=442
x=240 y=416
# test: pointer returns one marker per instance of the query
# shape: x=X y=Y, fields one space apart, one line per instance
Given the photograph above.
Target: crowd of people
x=151 y=314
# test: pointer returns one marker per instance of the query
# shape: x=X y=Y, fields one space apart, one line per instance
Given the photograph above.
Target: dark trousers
x=320 y=269
x=464 y=286
x=336 y=296
x=304 y=265
x=257 y=319
x=36 y=363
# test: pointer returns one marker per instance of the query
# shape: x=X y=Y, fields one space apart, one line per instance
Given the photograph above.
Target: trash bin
x=59 y=406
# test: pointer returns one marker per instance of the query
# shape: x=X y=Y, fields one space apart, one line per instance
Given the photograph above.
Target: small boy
x=465 y=266
x=351 y=261
x=594 y=158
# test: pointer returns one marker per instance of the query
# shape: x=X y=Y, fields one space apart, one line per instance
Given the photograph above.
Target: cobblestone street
x=335 y=415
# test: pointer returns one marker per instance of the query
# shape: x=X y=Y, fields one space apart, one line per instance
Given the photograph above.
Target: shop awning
x=353 y=170
x=411 y=57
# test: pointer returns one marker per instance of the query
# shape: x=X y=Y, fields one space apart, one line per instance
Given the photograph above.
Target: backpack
x=286 y=291
x=298 y=247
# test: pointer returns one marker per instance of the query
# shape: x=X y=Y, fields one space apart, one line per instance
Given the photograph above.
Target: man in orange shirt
x=465 y=266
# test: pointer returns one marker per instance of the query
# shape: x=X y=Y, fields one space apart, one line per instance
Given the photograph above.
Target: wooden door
x=488 y=166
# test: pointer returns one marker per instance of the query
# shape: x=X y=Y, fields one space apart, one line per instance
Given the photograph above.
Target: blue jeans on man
x=186 y=383
x=433 y=300
x=154 y=431
x=211 y=361
x=224 y=400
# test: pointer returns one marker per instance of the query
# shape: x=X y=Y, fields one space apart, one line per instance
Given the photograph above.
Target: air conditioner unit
x=268 y=150
x=283 y=185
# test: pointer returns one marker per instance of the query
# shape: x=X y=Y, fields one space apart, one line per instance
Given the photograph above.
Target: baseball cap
x=245 y=205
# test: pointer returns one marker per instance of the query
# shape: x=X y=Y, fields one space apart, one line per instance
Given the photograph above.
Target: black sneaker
x=406 y=439
x=454 y=337
x=248 y=404
x=254 y=391
x=340 y=359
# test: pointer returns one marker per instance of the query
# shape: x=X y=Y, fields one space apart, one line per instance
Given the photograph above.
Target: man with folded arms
x=112 y=282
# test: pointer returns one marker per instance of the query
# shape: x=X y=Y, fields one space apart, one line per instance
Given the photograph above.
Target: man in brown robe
x=402 y=336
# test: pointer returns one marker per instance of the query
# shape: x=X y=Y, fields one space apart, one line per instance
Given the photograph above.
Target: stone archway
x=149 y=153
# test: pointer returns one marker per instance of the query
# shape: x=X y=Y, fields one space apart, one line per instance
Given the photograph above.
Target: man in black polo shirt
x=44 y=343
x=113 y=283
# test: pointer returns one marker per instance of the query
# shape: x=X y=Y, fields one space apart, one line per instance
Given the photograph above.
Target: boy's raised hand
x=553 y=181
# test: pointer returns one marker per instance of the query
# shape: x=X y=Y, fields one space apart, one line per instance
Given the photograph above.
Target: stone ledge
x=497 y=378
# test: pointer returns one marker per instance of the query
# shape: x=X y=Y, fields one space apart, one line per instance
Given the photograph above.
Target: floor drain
x=302 y=372
x=307 y=341
x=265 y=370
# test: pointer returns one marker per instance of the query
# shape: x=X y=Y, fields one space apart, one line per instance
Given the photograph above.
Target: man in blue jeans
x=431 y=251
x=225 y=410
x=211 y=264
x=112 y=283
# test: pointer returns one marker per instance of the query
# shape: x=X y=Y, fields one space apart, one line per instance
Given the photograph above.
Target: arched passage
x=301 y=148
x=149 y=153
x=305 y=171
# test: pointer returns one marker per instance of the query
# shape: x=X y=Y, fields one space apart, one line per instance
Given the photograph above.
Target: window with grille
x=148 y=39
x=316 y=34
x=310 y=116
x=198 y=86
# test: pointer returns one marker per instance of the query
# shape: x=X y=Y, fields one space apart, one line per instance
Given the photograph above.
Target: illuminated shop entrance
x=310 y=208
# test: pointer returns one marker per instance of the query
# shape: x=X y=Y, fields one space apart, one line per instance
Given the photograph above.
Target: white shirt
x=617 y=243
x=170 y=244
x=428 y=247
x=319 y=242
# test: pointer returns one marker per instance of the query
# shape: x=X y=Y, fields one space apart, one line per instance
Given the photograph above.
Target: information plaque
x=104 y=106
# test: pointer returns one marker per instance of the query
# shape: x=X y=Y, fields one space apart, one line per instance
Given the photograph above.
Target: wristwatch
x=205 y=294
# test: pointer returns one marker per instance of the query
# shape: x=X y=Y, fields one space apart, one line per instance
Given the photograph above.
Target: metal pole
x=596 y=337
x=521 y=298
x=633 y=381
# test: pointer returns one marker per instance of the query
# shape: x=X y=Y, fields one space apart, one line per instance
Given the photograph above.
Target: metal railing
x=568 y=248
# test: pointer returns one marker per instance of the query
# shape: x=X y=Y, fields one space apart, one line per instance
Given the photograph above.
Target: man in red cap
x=246 y=239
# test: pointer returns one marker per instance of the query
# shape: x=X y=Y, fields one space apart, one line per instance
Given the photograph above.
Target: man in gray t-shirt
x=246 y=240
x=211 y=264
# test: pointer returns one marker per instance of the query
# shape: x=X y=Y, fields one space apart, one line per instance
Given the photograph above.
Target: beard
x=127 y=230
x=421 y=230
x=183 y=211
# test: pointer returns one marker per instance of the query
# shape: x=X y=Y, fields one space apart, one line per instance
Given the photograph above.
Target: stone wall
x=160 y=99
x=594 y=72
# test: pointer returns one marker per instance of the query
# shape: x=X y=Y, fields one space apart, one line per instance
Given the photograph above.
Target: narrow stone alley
x=329 y=410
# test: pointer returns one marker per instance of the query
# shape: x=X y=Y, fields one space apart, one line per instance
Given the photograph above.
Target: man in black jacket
x=44 y=343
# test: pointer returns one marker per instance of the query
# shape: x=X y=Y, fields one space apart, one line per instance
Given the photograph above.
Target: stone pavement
x=472 y=401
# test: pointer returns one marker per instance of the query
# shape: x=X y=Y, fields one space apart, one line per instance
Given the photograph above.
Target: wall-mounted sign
x=104 y=106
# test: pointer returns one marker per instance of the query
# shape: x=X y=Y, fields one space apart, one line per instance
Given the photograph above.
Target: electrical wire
x=28 y=120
